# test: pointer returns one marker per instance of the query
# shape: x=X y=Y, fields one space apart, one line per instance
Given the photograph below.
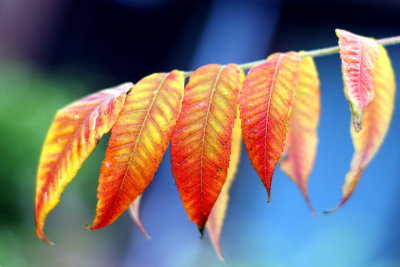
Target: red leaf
x=137 y=144
x=265 y=106
x=358 y=56
x=201 y=142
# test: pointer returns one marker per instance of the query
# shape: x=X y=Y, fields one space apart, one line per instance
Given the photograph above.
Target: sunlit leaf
x=302 y=138
x=358 y=56
x=265 y=107
x=376 y=123
x=216 y=219
x=73 y=135
x=134 y=212
x=201 y=142
x=137 y=144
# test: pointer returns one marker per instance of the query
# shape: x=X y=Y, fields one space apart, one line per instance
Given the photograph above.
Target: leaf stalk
x=313 y=53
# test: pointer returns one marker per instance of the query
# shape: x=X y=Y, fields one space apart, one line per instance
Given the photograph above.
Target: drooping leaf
x=134 y=212
x=302 y=138
x=216 y=219
x=378 y=115
x=201 y=142
x=265 y=106
x=137 y=144
x=73 y=135
x=358 y=56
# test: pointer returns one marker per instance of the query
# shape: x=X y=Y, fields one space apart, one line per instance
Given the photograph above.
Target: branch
x=314 y=53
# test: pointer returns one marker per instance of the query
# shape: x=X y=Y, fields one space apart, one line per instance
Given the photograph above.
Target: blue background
x=89 y=51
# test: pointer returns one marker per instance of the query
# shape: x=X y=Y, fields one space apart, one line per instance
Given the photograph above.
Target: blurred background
x=53 y=52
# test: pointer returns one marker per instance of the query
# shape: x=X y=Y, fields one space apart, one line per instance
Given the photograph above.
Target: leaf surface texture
x=265 y=107
x=137 y=144
x=73 y=135
x=358 y=56
x=201 y=142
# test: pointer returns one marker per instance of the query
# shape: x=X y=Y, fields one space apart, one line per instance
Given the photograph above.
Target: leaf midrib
x=136 y=143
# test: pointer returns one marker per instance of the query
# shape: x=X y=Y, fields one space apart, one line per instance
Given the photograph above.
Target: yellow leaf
x=376 y=123
x=216 y=219
x=302 y=138
x=74 y=134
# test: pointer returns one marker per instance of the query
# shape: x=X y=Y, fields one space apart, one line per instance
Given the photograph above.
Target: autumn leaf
x=302 y=138
x=358 y=56
x=378 y=115
x=73 y=135
x=134 y=212
x=137 y=144
x=216 y=219
x=201 y=142
x=265 y=107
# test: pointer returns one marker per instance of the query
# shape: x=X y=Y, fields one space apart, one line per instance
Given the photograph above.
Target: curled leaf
x=216 y=219
x=201 y=142
x=302 y=138
x=137 y=144
x=265 y=107
x=358 y=56
x=73 y=135
x=376 y=123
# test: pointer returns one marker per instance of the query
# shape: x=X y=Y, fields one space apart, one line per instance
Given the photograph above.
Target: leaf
x=265 y=106
x=137 y=144
x=216 y=219
x=201 y=142
x=73 y=135
x=134 y=212
x=302 y=138
x=358 y=56
x=376 y=123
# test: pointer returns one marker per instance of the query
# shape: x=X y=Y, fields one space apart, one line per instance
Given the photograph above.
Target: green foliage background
x=28 y=101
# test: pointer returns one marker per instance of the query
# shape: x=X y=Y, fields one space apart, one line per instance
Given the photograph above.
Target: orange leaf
x=216 y=219
x=137 y=144
x=265 y=106
x=73 y=135
x=358 y=56
x=134 y=212
x=302 y=138
x=201 y=142
x=376 y=123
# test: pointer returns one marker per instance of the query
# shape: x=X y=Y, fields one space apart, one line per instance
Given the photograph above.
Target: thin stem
x=314 y=53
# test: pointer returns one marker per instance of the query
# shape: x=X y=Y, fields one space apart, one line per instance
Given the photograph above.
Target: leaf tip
x=91 y=227
x=335 y=208
x=201 y=230
x=357 y=123
x=42 y=236
x=311 y=208
x=87 y=226
x=221 y=257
